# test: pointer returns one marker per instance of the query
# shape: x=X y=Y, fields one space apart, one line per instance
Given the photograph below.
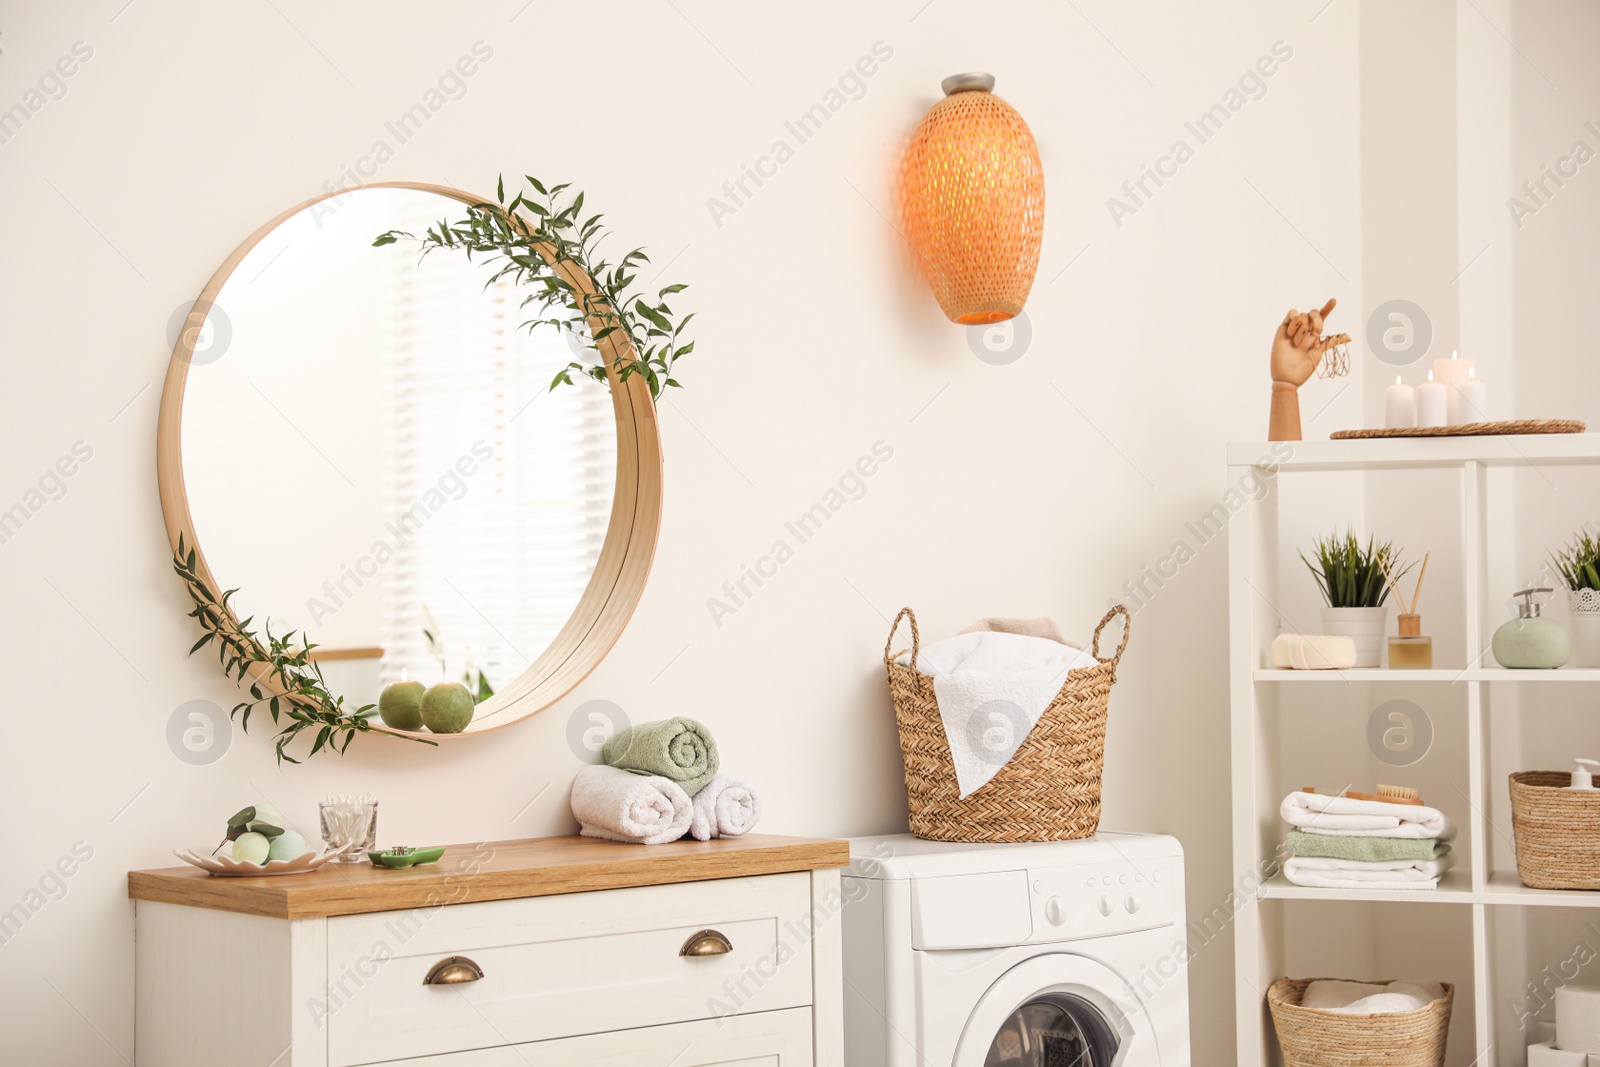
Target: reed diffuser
x=1410 y=649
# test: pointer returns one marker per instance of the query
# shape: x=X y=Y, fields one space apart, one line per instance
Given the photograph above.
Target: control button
x=1132 y=903
x=1106 y=907
x=1055 y=909
x=1138 y=878
x=1123 y=879
x=1090 y=883
x=1156 y=877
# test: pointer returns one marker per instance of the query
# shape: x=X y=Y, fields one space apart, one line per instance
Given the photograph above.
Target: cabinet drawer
x=771 y=1039
x=562 y=966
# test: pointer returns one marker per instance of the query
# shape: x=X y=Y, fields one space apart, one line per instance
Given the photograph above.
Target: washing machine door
x=1058 y=1010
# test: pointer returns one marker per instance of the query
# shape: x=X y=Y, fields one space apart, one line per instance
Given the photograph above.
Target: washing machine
x=1050 y=954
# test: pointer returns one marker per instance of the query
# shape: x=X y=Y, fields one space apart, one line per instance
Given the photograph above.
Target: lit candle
x=1452 y=373
x=1433 y=408
x=1399 y=406
x=1474 y=399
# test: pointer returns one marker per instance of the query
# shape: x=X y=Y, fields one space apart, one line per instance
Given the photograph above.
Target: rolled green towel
x=1365 y=849
x=677 y=749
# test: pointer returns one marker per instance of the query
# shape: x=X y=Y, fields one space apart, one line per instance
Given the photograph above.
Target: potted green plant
x=1354 y=587
x=1578 y=563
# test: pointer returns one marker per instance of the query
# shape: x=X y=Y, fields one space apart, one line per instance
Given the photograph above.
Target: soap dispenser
x=1530 y=640
x=1582 y=776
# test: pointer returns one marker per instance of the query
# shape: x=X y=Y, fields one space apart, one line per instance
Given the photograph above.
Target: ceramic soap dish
x=400 y=857
x=228 y=867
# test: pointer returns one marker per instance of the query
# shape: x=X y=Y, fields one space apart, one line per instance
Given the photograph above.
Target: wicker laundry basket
x=1049 y=790
x=1556 y=830
x=1310 y=1037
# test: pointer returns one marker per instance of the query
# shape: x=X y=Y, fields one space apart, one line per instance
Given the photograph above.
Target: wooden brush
x=1386 y=794
x=1400 y=794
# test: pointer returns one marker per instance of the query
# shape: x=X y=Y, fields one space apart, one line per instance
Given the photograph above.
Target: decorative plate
x=227 y=866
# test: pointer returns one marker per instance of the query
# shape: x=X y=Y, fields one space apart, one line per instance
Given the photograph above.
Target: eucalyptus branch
x=515 y=237
x=303 y=700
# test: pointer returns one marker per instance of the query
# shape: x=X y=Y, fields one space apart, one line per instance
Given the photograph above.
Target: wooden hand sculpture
x=1297 y=348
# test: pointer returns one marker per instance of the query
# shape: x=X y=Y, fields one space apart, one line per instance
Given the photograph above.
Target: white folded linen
x=726 y=806
x=1338 y=816
x=619 y=805
x=992 y=687
x=1326 y=873
x=1365 y=998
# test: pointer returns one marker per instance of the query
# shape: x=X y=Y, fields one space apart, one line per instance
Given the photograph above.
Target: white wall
x=1036 y=487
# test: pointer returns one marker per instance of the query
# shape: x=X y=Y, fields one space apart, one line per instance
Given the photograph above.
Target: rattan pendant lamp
x=972 y=202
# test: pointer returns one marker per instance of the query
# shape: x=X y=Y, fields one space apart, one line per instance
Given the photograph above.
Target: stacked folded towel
x=661 y=781
x=1341 y=843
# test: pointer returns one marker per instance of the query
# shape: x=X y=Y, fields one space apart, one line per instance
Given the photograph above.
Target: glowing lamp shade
x=972 y=202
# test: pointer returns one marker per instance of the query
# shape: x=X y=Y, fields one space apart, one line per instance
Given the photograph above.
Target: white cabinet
x=712 y=967
x=771 y=1039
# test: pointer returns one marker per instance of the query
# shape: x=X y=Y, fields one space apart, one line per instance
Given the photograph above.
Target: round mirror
x=365 y=443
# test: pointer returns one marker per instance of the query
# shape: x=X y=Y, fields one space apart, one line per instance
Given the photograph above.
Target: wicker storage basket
x=1313 y=1038
x=1050 y=788
x=1557 y=831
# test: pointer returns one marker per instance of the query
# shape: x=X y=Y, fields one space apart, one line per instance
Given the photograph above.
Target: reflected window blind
x=498 y=491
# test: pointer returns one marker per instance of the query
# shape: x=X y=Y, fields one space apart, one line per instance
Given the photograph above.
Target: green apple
x=400 y=705
x=251 y=848
x=447 y=708
x=287 y=846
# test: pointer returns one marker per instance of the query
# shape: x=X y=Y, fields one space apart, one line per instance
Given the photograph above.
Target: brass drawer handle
x=453 y=970
x=707 y=943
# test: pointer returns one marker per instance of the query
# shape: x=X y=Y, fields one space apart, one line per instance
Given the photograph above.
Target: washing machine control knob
x=1055 y=909
x=1132 y=903
x=1106 y=907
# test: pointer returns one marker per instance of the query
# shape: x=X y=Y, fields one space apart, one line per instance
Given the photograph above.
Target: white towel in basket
x=992 y=687
x=1365 y=998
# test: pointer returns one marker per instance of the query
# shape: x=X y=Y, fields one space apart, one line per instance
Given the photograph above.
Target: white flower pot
x=1365 y=626
x=1584 y=611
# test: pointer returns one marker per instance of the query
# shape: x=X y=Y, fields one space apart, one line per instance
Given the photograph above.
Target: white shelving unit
x=1257 y=692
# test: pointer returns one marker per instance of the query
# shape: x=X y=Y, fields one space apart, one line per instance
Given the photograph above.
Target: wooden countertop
x=491 y=870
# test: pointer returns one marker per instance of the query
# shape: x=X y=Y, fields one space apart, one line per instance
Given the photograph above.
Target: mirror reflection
x=373 y=456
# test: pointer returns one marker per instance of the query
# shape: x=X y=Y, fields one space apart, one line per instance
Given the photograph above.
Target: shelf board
x=1454 y=888
x=1506 y=888
x=1401 y=453
x=1446 y=675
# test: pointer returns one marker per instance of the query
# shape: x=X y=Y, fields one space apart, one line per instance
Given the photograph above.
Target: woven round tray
x=1556 y=830
x=1470 y=429
x=1310 y=1037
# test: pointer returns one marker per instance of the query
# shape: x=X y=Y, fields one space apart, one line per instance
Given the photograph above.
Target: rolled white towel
x=618 y=805
x=1338 y=816
x=726 y=807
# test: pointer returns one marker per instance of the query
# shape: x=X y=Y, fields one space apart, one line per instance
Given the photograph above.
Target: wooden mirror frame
x=616 y=585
